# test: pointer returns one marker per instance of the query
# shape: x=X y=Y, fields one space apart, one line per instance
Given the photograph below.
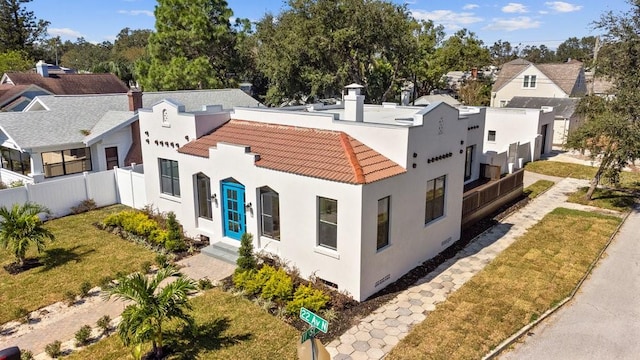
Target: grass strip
x=630 y=180
x=534 y=274
x=81 y=252
x=604 y=198
x=228 y=327
x=532 y=191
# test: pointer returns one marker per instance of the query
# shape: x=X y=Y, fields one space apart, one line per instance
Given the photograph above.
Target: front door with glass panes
x=233 y=209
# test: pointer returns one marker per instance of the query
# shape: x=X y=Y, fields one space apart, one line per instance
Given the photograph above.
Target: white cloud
x=512 y=24
x=136 y=12
x=543 y=12
x=451 y=20
x=470 y=6
x=514 y=8
x=561 y=6
x=64 y=32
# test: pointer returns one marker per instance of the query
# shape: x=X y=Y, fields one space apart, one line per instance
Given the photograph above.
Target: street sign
x=314 y=320
x=308 y=334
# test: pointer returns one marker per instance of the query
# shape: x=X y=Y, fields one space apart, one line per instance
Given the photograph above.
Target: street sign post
x=308 y=334
x=314 y=320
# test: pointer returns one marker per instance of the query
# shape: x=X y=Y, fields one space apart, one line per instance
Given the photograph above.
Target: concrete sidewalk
x=379 y=332
x=63 y=323
x=603 y=320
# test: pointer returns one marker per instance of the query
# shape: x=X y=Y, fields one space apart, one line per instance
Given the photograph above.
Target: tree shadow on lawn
x=187 y=343
x=55 y=257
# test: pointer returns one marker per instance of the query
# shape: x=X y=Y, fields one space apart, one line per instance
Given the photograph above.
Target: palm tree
x=142 y=321
x=20 y=226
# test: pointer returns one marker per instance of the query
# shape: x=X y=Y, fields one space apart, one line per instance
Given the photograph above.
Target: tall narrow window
x=468 y=162
x=383 y=223
x=434 y=207
x=270 y=213
x=328 y=223
x=169 y=177
x=203 y=188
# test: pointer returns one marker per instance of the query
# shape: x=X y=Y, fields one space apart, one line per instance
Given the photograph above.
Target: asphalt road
x=603 y=320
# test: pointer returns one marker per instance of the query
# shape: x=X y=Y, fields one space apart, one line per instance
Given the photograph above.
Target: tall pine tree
x=191 y=48
x=19 y=28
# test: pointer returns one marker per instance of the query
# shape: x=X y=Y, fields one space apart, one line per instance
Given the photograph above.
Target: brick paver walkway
x=63 y=325
x=379 y=332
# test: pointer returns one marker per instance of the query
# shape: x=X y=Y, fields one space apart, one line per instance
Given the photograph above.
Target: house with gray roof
x=58 y=135
x=522 y=78
x=566 y=118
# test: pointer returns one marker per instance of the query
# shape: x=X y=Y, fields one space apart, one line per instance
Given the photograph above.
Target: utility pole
x=596 y=49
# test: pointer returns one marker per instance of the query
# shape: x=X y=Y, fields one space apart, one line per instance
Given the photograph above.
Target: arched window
x=203 y=190
x=270 y=213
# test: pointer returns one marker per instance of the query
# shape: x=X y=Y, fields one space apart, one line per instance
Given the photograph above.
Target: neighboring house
x=566 y=118
x=17 y=89
x=356 y=194
x=430 y=99
x=520 y=77
x=60 y=135
x=514 y=134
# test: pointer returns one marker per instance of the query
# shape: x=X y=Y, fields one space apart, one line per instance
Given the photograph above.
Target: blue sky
x=526 y=22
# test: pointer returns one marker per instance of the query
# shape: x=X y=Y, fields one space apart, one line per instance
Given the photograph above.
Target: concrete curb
x=510 y=340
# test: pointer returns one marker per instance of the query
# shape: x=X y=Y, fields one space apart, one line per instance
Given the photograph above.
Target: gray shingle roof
x=69 y=115
x=564 y=107
x=565 y=75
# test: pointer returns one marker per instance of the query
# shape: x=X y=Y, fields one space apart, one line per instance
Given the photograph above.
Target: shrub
x=104 y=323
x=145 y=268
x=70 y=297
x=54 y=349
x=3 y=185
x=246 y=258
x=23 y=315
x=144 y=227
x=83 y=335
x=85 y=287
x=162 y=260
x=17 y=183
x=278 y=286
x=257 y=282
x=205 y=284
x=175 y=239
x=241 y=278
x=26 y=355
x=84 y=206
x=308 y=297
x=158 y=237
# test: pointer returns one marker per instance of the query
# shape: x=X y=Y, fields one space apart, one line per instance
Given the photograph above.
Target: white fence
x=125 y=186
x=130 y=184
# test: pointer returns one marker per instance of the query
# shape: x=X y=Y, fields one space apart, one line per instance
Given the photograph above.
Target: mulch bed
x=352 y=312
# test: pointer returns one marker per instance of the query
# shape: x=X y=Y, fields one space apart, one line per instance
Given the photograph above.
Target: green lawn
x=578 y=171
x=532 y=191
x=230 y=327
x=80 y=253
x=534 y=274
x=604 y=198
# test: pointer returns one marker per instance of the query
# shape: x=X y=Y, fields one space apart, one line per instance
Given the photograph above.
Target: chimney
x=474 y=73
x=135 y=100
x=42 y=68
x=354 y=103
x=405 y=97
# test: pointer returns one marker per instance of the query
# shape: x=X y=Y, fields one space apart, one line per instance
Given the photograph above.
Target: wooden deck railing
x=490 y=196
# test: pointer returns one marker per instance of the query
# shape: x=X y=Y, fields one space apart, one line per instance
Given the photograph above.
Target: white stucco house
x=66 y=135
x=516 y=136
x=356 y=194
x=520 y=77
x=566 y=118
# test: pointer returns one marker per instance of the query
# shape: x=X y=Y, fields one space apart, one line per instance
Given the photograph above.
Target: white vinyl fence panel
x=124 y=186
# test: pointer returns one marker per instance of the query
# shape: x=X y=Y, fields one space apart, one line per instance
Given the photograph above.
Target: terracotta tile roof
x=324 y=154
x=72 y=84
x=564 y=75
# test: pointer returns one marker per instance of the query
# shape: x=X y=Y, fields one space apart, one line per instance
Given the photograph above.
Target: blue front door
x=233 y=209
